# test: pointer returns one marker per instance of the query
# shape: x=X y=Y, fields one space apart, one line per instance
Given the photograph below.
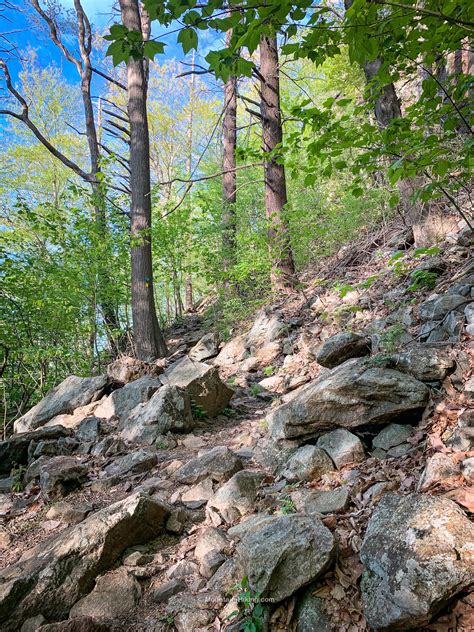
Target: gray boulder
x=219 y=464
x=51 y=577
x=354 y=394
x=14 y=451
x=235 y=499
x=391 y=436
x=265 y=329
x=202 y=382
x=169 y=410
x=321 y=501
x=132 y=463
x=285 y=554
x=342 y=446
x=427 y=364
x=417 y=553
x=306 y=464
x=121 y=402
x=59 y=475
x=436 y=307
x=309 y=613
x=63 y=399
x=206 y=348
x=341 y=347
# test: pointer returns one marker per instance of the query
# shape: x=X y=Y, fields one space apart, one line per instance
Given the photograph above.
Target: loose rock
x=236 y=498
x=219 y=464
x=342 y=446
x=306 y=464
x=342 y=347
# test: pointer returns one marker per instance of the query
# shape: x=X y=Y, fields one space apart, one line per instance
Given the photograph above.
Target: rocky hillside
x=312 y=474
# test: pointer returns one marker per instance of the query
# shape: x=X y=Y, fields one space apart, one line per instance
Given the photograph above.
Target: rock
x=108 y=446
x=321 y=502
x=127 y=369
x=467 y=469
x=436 y=307
x=33 y=624
x=274 y=384
x=219 y=464
x=309 y=614
x=417 y=553
x=193 y=442
x=342 y=446
x=391 y=436
x=78 y=624
x=285 y=554
x=14 y=450
x=265 y=329
x=114 y=595
x=306 y=464
x=64 y=446
x=462 y=440
x=68 y=513
x=52 y=576
x=163 y=592
x=211 y=540
x=342 y=347
x=121 y=402
x=453 y=324
x=232 y=352
x=5 y=539
x=132 y=463
x=88 y=430
x=225 y=578
x=169 y=410
x=182 y=569
x=427 y=364
x=193 y=612
x=176 y=522
x=469 y=313
x=210 y=563
x=202 y=382
x=70 y=394
x=345 y=397
x=199 y=494
x=469 y=387
x=234 y=499
x=439 y=468
x=59 y=475
x=206 y=348
x=274 y=454
x=248 y=525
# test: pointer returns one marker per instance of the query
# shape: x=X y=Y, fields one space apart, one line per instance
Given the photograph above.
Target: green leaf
x=152 y=48
x=188 y=39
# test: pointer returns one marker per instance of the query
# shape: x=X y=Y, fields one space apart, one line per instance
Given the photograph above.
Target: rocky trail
x=314 y=473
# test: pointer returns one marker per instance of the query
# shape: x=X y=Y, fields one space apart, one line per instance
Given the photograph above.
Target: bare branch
x=109 y=78
x=214 y=175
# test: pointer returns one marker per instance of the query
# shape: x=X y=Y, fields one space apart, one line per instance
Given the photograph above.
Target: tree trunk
x=283 y=268
x=148 y=338
x=229 y=179
x=188 y=282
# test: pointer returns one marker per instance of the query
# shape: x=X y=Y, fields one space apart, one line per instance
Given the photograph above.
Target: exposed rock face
x=121 y=402
x=321 y=502
x=342 y=446
x=219 y=464
x=285 y=554
x=265 y=329
x=418 y=554
x=52 y=576
x=168 y=410
x=232 y=352
x=426 y=363
x=206 y=348
x=202 y=382
x=354 y=394
x=236 y=498
x=342 y=347
x=439 y=467
x=309 y=614
x=70 y=394
x=437 y=307
x=60 y=475
x=15 y=449
x=127 y=369
x=132 y=463
x=306 y=464
x=391 y=436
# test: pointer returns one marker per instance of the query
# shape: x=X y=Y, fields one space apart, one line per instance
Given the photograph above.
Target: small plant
x=422 y=278
x=17 y=474
x=160 y=445
x=229 y=412
x=255 y=389
x=264 y=424
x=286 y=506
x=269 y=370
x=232 y=381
x=250 y=609
x=390 y=338
x=421 y=252
x=198 y=411
x=343 y=289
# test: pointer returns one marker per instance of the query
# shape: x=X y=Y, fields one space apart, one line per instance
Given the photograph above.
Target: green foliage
x=390 y=338
x=18 y=473
x=422 y=279
x=255 y=389
x=269 y=370
x=251 y=610
x=198 y=411
x=286 y=505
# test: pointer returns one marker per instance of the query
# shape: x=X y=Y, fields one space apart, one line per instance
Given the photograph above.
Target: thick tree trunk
x=229 y=179
x=283 y=268
x=188 y=282
x=148 y=338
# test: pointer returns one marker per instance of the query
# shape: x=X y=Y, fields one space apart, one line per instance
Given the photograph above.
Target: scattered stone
x=193 y=442
x=132 y=463
x=210 y=563
x=137 y=558
x=436 y=307
x=193 y=612
x=176 y=522
x=248 y=525
x=109 y=446
x=88 y=430
x=469 y=387
x=52 y=576
x=345 y=397
x=342 y=446
x=391 y=436
x=68 y=513
x=206 y=348
x=14 y=450
x=309 y=614
x=235 y=499
x=5 y=539
x=417 y=553
x=202 y=382
x=462 y=440
x=114 y=595
x=199 y=494
x=342 y=347
x=169 y=410
x=285 y=554
x=265 y=329
x=427 y=364
x=163 y=592
x=274 y=454
x=63 y=399
x=60 y=475
x=439 y=467
x=453 y=324
x=219 y=464
x=321 y=502
x=467 y=469
x=306 y=464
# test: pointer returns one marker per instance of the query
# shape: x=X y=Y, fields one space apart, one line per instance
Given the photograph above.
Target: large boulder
x=14 y=450
x=206 y=348
x=233 y=352
x=127 y=369
x=121 y=402
x=63 y=399
x=341 y=347
x=236 y=498
x=202 y=382
x=266 y=328
x=285 y=554
x=219 y=464
x=51 y=577
x=418 y=554
x=437 y=307
x=169 y=410
x=354 y=394
x=426 y=363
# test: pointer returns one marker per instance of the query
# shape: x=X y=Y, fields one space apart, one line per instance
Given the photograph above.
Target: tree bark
x=283 y=268
x=148 y=338
x=229 y=179
x=188 y=281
